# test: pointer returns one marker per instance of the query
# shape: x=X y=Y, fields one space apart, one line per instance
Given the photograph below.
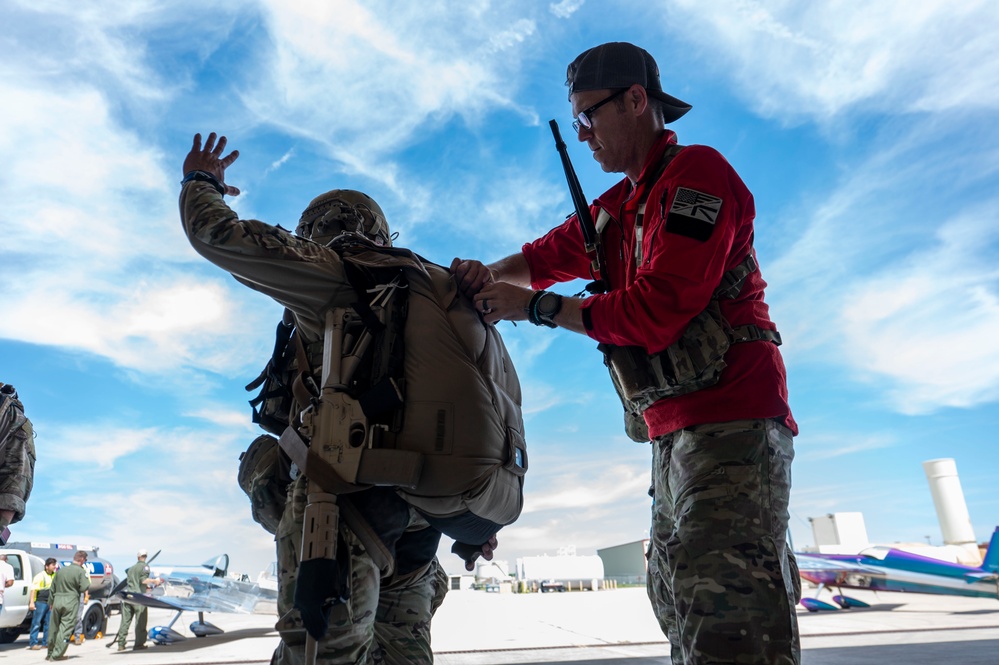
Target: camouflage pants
x=721 y=578
x=384 y=621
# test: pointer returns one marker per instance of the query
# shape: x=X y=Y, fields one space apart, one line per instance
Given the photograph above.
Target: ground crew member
x=68 y=585
x=681 y=318
x=139 y=581
x=7 y=577
x=40 y=606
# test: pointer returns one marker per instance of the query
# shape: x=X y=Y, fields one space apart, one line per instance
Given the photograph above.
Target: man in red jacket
x=681 y=318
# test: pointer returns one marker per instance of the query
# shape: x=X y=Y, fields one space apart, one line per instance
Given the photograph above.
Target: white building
x=567 y=568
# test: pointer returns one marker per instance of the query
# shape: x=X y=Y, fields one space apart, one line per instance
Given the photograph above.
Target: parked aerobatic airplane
x=204 y=588
x=889 y=569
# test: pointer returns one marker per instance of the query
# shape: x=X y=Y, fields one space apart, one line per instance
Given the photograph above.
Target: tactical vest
x=17 y=454
x=436 y=382
x=693 y=362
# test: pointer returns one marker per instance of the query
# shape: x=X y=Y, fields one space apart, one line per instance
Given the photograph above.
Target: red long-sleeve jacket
x=698 y=224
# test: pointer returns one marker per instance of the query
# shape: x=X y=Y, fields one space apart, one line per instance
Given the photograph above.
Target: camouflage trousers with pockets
x=722 y=581
x=385 y=620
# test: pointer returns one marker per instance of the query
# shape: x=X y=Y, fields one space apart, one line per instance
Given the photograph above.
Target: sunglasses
x=585 y=117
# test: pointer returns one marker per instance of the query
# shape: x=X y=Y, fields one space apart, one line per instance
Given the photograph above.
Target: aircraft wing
x=809 y=563
x=194 y=603
x=156 y=602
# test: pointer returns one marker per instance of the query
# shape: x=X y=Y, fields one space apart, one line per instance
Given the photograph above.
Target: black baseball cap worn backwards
x=621 y=65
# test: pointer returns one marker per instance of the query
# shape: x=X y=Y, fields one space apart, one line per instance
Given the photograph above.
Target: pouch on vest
x=634 y=420
x=273 y=403
x=264 y=475
x=17 y=454
x=693 y=362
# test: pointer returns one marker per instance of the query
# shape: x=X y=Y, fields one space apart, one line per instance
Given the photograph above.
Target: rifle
x=591 y=240
x=337 y=449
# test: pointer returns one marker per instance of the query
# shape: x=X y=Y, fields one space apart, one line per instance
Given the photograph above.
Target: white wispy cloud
x=278 y=163
x=185 y=525
x=899 y=290
x=929 y=324
x=152 y=485
x=73 y=447
x=367 y=79
x=75 y=283
x=90 y=215
x=588 y=487
x=221 y=415
x=825 y=445
x=565 y=8
x=816 y=60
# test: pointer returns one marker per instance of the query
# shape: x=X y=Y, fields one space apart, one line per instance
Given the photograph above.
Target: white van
x=15 y=619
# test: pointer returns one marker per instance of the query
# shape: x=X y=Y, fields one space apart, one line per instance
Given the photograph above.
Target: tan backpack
x=436 y=380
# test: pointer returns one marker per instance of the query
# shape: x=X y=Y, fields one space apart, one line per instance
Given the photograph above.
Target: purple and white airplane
x=889 y=569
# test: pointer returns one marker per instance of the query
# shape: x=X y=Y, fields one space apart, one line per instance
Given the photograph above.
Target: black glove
x=469 y=553
x=319 y=586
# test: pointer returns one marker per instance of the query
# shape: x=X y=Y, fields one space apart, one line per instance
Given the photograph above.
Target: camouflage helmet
x=339 y=210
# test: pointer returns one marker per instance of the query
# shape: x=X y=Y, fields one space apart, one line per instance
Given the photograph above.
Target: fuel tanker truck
x=28 y=559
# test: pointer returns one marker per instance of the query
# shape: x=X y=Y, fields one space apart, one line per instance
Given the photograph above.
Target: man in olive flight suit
x=138 y=582
x=68 y=585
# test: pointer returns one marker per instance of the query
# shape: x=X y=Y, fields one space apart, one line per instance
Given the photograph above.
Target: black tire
x=8 y=635
x=93 y=621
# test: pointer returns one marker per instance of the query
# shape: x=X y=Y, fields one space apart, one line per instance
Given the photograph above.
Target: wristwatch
x=545 y=305
x=204 y=176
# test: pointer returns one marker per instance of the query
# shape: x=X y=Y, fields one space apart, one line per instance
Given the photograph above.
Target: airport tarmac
x=595 y=628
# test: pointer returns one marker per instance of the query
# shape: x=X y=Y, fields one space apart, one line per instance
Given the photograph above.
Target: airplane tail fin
x=991 y=562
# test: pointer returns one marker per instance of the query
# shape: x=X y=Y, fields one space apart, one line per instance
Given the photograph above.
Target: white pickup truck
x=15 y=618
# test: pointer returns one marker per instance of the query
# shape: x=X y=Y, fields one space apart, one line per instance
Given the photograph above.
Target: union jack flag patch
x=693 y=214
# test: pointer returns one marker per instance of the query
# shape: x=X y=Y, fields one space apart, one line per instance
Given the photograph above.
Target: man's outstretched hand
x=208 y=159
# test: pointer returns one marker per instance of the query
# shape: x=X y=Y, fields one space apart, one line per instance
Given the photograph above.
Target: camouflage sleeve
x=17 y=454
x=306 y=277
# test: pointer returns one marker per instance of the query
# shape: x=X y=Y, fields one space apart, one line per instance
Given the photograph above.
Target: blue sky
x=866 y=132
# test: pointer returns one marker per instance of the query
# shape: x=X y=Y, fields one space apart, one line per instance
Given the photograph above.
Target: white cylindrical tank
x=952 y=511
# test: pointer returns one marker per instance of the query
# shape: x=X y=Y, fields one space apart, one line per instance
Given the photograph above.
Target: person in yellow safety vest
x=38 y=603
